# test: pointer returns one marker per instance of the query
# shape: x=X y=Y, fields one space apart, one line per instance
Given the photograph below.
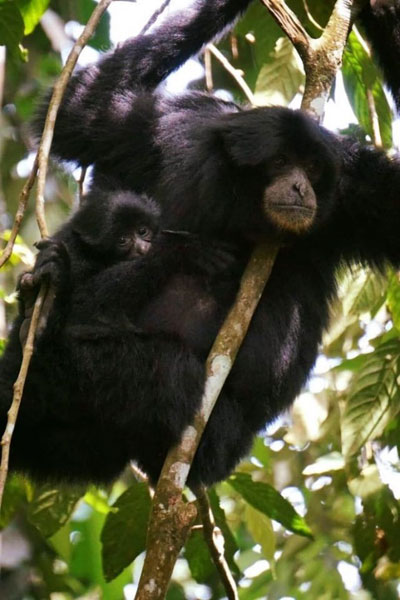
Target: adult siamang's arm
x=93 y=117
x=365 y=223
x=381 y=20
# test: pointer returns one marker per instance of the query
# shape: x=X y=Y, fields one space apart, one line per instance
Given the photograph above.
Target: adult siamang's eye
x=313 y=169
x=144 y=231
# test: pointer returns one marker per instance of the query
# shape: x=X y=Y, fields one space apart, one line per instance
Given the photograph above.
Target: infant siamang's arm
x=382 y=26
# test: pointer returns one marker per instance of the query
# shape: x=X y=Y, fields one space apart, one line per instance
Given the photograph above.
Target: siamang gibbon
x=224 y=175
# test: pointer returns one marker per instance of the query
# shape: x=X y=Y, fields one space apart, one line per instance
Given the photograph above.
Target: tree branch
x=169 y=510
x=232 y=71
x=215 y=542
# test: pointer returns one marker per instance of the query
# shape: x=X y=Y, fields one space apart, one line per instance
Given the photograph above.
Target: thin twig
x=236 y=74
x=19 y=215
x=215 y=542
x=18 y=390
x=310 y=17
x=208 y=70
x=154 y=17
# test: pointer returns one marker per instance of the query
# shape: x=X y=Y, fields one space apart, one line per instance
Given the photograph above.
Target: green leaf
x=231 y=546
x=17 y=493
x=51 y=508
x=393 y=297
x=360 y=78
x=280 y=80
x=267 y=500
x=374 y=398
x=32 y=11
x=124 y=533
x=11 y=27
x=198 y=557
x=260 y=527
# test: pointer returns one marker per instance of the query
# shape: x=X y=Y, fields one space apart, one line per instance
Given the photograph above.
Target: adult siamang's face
x=287 y=164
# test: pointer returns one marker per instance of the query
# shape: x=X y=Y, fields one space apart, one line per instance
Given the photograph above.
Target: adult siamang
x=221 y=172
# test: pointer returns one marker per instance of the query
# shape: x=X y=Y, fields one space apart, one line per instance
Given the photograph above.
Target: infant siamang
x=230 y=174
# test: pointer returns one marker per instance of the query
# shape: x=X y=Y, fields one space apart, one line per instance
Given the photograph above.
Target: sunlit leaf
x=364 y=88
x=281 y=79
x=266 y=499
x=260 y=527
x=32 y=11
x=374 y=398
x=51 y=508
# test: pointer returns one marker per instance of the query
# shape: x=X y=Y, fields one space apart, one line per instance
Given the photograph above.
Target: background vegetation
x=333 y=530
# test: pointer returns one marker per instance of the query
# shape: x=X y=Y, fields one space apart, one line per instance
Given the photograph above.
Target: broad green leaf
x=393 y=297
x=17 y=492
x=280 y=80
x=260 y=527
x=198 y=556
x=51 y=508
x=374 y=398
x=11 y=26
x=267 y=500
x=124 y=533
x=32 y=11
x=360 y=79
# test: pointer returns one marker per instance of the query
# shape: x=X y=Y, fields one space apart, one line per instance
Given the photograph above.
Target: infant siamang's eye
x=279 y=161
x=144 y=231
x=124 y=241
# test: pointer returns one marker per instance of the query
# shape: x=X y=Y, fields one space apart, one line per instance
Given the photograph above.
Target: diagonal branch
x=168 y=504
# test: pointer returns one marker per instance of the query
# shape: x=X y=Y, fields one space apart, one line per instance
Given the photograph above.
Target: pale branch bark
x=321 y=57
x=169 y=511
x=215 y=542
x=18 y=390
x=290 y=25
x=40 y=167
x=236 y=74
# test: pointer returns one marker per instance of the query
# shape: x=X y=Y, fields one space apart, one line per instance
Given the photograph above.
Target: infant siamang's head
x=284 y=167
x=117 y=225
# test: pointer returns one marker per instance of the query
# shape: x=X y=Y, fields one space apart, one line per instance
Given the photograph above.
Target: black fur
x=137 y=333
x=381 y=22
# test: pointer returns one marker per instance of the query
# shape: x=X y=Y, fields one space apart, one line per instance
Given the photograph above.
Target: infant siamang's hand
x=209 y=256
x=51 y=266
